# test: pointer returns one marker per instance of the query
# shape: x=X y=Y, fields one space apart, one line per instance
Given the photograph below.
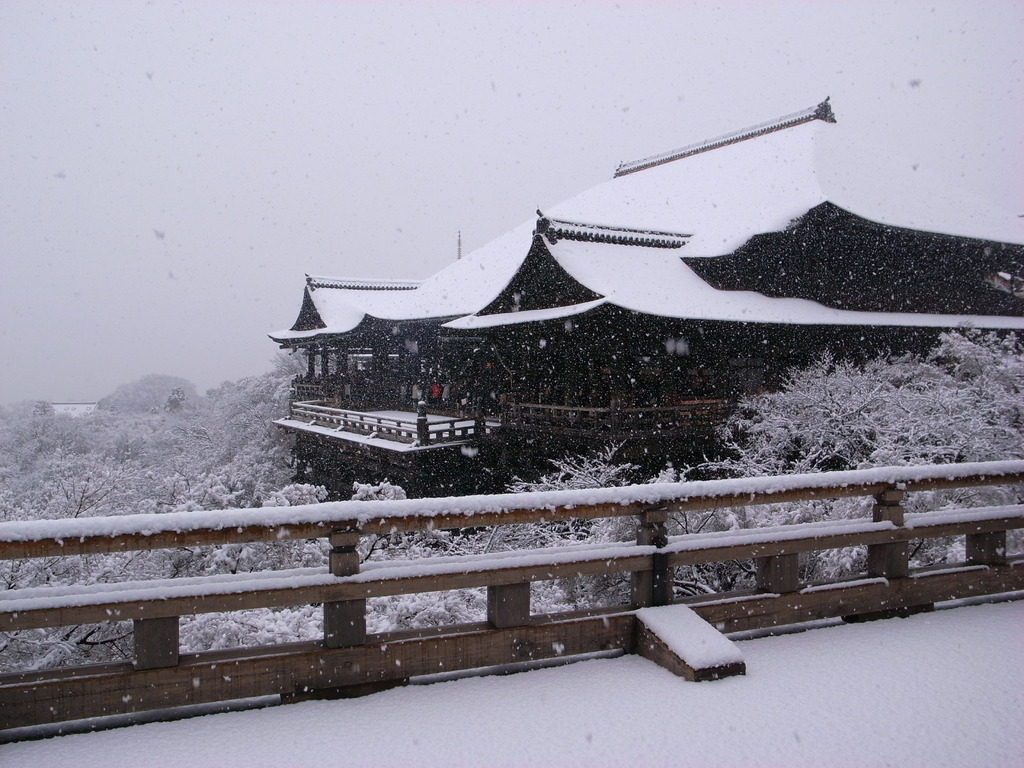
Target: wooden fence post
x=653 y=587
x=508 y=605
x=778 y=573
x=344 y=621
x=889 y=560
x=986 y=548
x=156 y=642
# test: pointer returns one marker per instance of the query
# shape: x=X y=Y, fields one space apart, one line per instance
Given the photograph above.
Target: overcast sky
x=169 y=171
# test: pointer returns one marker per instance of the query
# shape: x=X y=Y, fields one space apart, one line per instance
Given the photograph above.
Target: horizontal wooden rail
x=62 y=606
x=301 y=669
x=79 y=536
x=350 y=659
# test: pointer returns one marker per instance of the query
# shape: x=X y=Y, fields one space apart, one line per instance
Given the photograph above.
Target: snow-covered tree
x=964 y=401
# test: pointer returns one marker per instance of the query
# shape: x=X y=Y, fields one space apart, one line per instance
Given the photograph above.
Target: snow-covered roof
x=657 y=282
x=704 y=200
x=461 y=288
x=723 y=197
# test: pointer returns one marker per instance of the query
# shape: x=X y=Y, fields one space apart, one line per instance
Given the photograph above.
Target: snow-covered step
x=675 y=637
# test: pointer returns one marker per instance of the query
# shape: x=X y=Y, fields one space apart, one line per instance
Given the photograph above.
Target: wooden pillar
x=889 y=560
x=156 y=642
x=508 y=605
x=653 y=587
x=986 y=548
x=344 y=621
x=778 y=573
x=422 y=426
x=614 y=414
x=310 y=363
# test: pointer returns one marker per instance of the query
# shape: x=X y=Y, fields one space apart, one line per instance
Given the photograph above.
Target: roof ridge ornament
x=822 y=111
x=360 y=284
x=557 y=229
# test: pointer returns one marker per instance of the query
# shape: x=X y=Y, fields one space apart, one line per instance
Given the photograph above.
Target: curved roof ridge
x=555 y=229
x=361 y=284
x=822 y=111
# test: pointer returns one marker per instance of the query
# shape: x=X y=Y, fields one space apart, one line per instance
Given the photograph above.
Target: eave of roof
x=659 y=283
x=471 y=322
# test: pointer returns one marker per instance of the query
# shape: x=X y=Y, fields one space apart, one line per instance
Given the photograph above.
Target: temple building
x=636 y=312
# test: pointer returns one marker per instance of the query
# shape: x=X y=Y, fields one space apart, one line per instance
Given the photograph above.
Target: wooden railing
x=348 y=660
x=571 y=419
x=420 y=430
x=306 y=390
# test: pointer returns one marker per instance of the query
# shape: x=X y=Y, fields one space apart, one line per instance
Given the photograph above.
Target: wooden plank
x=810 y=543
x=753 y=611
x=299 y=668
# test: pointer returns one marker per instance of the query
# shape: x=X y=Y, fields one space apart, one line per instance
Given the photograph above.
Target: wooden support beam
x=662 y=578
x=156 y=642
x=889 y=560
x=651 y=530
x=344 y=620
x=345 y=623
x=508 y=605
x=344 y=557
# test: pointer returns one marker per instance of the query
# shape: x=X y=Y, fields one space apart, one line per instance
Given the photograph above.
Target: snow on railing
x=348 y=658
x=198 y=527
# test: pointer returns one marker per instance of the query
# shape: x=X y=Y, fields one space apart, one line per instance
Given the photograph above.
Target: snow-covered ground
x=938 y=689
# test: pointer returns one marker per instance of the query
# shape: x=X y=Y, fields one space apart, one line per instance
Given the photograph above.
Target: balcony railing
x=422 y=430
x=688 y=415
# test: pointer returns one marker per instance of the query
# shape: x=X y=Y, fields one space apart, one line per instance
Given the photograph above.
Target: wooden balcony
x=394 y=430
